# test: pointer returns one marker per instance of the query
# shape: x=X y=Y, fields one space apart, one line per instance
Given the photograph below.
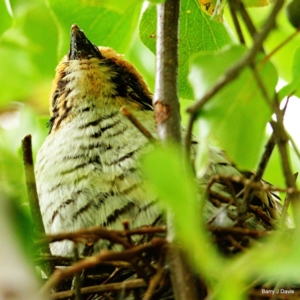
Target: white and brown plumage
x=88 y=170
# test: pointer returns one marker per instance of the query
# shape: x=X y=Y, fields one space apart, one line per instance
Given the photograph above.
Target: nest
x=138 y=270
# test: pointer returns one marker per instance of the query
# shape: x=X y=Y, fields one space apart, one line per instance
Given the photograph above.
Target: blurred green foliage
x=230 y=113
x=34 y=37
x=197 y=33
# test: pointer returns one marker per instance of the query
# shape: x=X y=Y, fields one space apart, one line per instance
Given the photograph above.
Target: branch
x=111 y=287
x=282 y=142
x=98 y=232
x=232 y=7
x=247 y=59
x=125 y=112
x=280 y=46
x=167 y=117
x=33 y=198
x=269 y=147
x=125 y=255
x=233 y=71
x=165 y=101
x=239 y=5
x=31 y=185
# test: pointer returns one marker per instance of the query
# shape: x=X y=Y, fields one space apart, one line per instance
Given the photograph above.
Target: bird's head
x=97 y=76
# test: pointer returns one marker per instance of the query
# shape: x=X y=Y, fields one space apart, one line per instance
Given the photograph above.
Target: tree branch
x=125 y=255
x=247 y=59
x=165 y=101
x=33 y=198
x=167 y=116
x=233 y=71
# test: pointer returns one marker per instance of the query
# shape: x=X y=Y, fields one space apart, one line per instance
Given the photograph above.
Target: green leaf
x=257 y=3
x=237 y=116
x=294 y=86
x=197 y=33
x=28 y=55
x=6 y=18
x=102 y=26
x=174 y=184
x=120 y=6
x=157 y=1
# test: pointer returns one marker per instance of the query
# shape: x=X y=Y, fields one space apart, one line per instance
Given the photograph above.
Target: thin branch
x=248 y=58
x=246 y=181
x=33 y=198
x=269 y=147
x=232 y=72
x=97 y=232
x=31 y=185
x=125 y=255
x=76 y=284
x=245 y=17
x=282 y=142
x=111 y=287
x=154 y=282
x=284 y=212
x=261 y=86
x=280 y=46
x=232 y=7
x=238 y=230
x=125 y=112
x=295 y=147
x=188 y=135
x=247 y=195
x=67 y=261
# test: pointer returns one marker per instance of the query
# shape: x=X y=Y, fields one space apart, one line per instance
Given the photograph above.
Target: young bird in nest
x=88 y=169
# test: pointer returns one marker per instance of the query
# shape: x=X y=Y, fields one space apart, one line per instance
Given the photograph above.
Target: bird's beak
x=80 y=46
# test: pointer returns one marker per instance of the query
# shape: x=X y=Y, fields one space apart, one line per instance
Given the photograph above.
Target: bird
x=88 y=170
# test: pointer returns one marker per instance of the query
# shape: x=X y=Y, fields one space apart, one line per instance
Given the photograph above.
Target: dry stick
x=284 y=214
x=282 y=142
x=269 y=147
x=239 y=5
x=33 y=198
x=67 y=261
x=254 y=185
x=138 y=266
x=236 y=22
x=125 y=112
x=76 y=284
x=97 y=232
x=283 y=43
x=247 y=189
x=167 y=116
x=91 y=261
x=233 y=71
x=111 y=287
x=154 y=282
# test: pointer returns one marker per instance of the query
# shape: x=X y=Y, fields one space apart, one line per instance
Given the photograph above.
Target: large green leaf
x=282 y=57
x=102 y=26
x=294 y=86
x=6 y=19
x=175 y=186
x=197 y=33
x=28 y=55
x=119 y=6
x=237 y=116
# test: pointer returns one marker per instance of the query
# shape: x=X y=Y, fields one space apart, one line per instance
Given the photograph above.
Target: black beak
x=80 y=46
